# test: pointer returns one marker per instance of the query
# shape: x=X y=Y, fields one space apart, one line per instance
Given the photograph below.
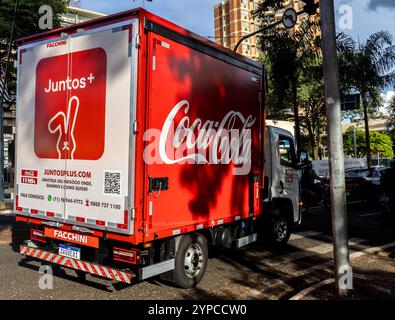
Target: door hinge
x=134 y=127
x=133 y=213
x=138 y=41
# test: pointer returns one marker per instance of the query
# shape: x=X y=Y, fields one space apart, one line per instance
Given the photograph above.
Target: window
x=245 y=25
x=244 y=14
x=352 y=173
x=286 y=151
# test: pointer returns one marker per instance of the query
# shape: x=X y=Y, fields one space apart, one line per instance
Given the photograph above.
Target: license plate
x=69 y=252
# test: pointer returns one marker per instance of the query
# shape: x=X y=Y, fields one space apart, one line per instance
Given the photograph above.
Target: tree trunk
x=318 y=135
x=310 y=130
x=296 y=111
x=367 y=135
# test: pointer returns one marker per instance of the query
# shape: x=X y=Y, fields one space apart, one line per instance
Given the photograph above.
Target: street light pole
x=262 y=30
x=336 y=155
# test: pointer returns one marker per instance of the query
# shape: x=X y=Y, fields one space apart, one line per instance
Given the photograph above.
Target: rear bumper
x=95 y=269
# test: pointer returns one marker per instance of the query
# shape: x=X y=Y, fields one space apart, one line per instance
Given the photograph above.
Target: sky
x=358 y=18
x=368 y=16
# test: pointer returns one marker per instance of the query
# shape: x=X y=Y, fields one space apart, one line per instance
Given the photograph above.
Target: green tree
x=27 y=19
x=391 y=118
x=312 y=105
x=288 y=57
x=379 y=143
x=368 y=69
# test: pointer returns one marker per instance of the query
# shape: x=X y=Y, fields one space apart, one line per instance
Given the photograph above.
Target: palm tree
x=368 y=69
x=289 y=56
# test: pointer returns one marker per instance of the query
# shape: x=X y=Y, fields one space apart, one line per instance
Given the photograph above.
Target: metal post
x=336 y=156
x=1 y=105
x=355 y=143
x=262 y=30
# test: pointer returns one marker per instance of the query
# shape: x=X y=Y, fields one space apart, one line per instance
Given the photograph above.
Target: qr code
x=112 y=182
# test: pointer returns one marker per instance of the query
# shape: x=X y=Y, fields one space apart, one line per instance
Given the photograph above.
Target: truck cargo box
x=141 y=145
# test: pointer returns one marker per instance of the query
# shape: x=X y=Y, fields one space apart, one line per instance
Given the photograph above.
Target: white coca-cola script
x=201 y=142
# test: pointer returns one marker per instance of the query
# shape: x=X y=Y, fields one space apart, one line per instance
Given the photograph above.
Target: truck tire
x=190 y=261
x=278 y=229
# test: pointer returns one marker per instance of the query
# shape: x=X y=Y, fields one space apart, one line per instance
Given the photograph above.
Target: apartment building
x=77 y=15
x=233 y=20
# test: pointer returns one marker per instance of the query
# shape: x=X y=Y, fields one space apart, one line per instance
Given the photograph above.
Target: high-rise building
x=233 y=20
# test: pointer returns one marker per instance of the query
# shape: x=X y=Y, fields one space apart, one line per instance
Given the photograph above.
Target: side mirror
x=303 y=160
x=304 y=155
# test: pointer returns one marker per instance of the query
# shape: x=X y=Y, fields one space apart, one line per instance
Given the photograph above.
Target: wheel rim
x=280 y=228
x=193 y=261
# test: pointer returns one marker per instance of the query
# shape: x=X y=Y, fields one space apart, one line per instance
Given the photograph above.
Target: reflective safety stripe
x=109 y=273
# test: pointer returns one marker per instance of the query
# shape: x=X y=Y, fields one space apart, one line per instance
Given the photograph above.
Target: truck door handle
x=282 y=187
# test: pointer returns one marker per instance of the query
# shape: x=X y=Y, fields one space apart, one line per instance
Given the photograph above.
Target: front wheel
x=191 y=261
x=278 y=230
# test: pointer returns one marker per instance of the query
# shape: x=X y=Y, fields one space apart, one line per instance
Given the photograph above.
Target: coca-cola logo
x=199 y=141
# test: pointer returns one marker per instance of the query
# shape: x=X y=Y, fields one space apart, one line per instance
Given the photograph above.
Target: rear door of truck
x=76 y=106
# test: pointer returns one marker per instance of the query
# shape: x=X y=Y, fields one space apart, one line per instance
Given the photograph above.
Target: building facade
x=233 y=20
x=78 y=15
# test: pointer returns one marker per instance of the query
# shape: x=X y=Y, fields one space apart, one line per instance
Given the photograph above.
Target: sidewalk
x=7 y=206
x=7 y=221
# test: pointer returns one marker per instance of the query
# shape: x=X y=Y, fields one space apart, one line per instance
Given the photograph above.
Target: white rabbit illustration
x=61 y=123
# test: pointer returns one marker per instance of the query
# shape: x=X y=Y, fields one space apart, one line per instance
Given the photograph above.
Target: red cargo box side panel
x=189 y=91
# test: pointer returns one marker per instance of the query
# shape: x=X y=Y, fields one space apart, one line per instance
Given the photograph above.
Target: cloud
x=374 y=4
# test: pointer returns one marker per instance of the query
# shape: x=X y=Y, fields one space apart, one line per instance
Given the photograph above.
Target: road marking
x=370 y=214
x=278 y=282
x=304 y=234
x=320 y=284
x=307 y=252
x=308 y=290
x=371 y=250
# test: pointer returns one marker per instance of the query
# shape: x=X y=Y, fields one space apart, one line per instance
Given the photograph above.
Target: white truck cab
x=282 y=183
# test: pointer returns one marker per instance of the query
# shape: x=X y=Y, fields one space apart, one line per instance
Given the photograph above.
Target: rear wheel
x=191 y=260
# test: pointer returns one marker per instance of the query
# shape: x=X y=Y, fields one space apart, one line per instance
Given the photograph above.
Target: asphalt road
x=303 y=270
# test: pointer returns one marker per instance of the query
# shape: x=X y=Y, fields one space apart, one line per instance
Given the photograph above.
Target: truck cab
x=282 y=184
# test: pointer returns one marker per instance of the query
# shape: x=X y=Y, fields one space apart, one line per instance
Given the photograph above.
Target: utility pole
x=336 y=156
x=1 y=104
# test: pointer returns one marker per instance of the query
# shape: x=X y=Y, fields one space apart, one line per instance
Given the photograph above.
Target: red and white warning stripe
x=98 y=270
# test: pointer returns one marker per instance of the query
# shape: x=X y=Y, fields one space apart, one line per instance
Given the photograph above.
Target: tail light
x=38 y=235
x=131 y=256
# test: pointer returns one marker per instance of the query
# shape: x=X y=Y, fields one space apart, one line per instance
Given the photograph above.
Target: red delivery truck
x=140 y=146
